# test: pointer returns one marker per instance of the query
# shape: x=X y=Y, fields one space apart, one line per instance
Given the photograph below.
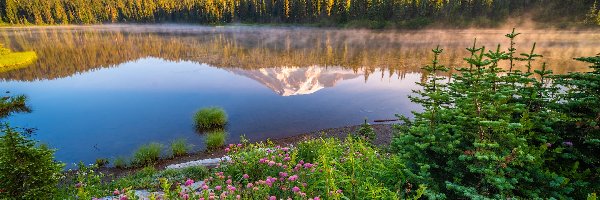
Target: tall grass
x=215 y=139
x=180 y=147
x=210 y=118
x=147 y=154
x=120 y=162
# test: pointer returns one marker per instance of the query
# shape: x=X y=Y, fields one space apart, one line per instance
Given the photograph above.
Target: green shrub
x=101 y=162
x=120 y=162
x=27 y=171
x=195 y=172
x=210 y=118
x=215 y=139
x=366 y=132
x=496 y=132
x=350 y=169
x=147 y=154
x=180 y=147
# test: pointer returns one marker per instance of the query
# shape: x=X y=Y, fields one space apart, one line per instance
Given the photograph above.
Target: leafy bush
x=210 y=118
x=497 y=132
x=180 y=147
x=27 y=171
x=215 y=139
x=147 y=154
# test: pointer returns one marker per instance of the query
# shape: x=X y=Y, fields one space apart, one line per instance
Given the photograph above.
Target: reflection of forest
x=66 y=51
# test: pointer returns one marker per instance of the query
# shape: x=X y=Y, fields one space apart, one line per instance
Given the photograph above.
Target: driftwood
x=385 y=120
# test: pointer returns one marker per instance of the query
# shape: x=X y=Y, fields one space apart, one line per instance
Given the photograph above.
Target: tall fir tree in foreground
x=496 y=131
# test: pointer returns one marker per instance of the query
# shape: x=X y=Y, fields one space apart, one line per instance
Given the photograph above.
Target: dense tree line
x=403 y=12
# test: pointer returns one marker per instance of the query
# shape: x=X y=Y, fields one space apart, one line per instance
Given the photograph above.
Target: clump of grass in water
x=215 y=139
x=180 y=147
x=210 y=118
x=120 y=162
x=147 y=154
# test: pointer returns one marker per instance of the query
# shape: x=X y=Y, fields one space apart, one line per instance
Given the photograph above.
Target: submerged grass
x=147 y=154
x=215 y=139
x=210 y=118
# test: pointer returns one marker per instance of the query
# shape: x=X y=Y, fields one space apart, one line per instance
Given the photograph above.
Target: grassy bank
x=16 y=60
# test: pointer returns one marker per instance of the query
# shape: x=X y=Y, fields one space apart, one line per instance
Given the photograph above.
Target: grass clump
x=210 y=118
x=101 y=162
x=215 y=139
x=147 y=154
x=120 y=162
x=180 y=147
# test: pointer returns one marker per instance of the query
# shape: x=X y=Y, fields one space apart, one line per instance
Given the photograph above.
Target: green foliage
x=147 y=154
x=366 y=132
x=492 y=133
x=101 y=162
x=215 y=139
x=210 y=118
x=120 y=162
x=27 y=170
x=88 y=183
x=327 y=168
x=593 y=15
x=13 y=104
x=180 y=147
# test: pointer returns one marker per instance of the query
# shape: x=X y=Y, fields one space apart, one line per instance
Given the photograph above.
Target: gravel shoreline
x=384 y=134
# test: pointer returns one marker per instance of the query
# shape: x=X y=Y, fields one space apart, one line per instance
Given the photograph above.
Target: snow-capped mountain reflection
x=289 y=81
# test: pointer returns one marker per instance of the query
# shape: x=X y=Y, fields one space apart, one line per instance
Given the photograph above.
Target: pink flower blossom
x=205 y=187
x=189 y=182
x=283 y=174
x=124 y=197
x=249 y=185
x=272 y=198
x=271 y=163
x=116 y=192
x=228 y=181
x=227 y=150
x=185 y=196
x=296 y=189
x=245 y=176
x=293 y=178
x=218 y=187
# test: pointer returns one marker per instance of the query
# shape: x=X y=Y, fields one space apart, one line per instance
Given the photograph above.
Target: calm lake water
x=102 y=91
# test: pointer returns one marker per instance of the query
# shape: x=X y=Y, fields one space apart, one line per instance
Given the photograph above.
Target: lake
x=102 y=91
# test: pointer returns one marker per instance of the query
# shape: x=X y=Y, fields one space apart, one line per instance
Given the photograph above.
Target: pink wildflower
x=271 y=163
x=296 y=189
x=116 y=192
x=227 y=150
x=249 y=185
x=245 y=176
x=218 y=187
x=272 y=198
x=293 y=178
x=189 y=182
x=228 y=181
